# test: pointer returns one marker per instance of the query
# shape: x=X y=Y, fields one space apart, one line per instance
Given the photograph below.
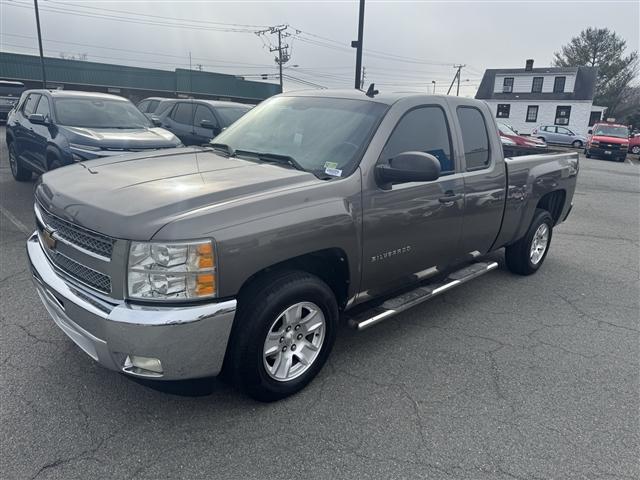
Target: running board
x=415 y=297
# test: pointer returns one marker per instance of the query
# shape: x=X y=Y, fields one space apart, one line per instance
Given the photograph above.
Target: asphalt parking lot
x=504 y=378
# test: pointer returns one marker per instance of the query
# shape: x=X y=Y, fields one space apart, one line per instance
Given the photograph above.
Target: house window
x=562 y=115
x=503 y=110
x=558 y=84
x=507 y=85
x=536 y=87
x=532 y=113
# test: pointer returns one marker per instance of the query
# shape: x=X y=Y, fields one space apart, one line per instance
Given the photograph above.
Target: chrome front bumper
x=189 y=341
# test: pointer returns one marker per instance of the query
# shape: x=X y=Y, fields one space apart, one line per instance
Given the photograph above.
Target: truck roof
x=387 y=98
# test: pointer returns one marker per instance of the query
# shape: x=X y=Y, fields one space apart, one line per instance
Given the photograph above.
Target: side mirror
x=207 y=124
x=590 y=131
x=156 y=121
x=408 y=167
x=38 y=119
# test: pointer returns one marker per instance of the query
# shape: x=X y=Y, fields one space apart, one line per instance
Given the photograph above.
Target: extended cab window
x=142 y=106
x=30 y=105
x=474 y=138
x=423 y=129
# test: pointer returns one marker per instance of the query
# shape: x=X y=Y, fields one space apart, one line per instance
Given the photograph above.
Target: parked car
x=243 y=257
x=559 y=135
x=608 y=140
x=9 y=95
x=52 y=128
x=530 y=142
x=196 y=122
x=634 y=144
x=155 y=106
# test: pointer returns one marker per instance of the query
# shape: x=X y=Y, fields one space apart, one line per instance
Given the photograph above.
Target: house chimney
x=529 y=65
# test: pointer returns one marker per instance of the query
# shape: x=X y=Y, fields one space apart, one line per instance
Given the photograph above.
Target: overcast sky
x=407 y=44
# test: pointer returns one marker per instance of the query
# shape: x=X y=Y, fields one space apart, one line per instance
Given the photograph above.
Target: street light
x=434 y=86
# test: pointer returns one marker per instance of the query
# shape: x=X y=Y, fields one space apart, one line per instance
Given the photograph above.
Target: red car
x=608 y=140
x=507 y=132
x=634 y=144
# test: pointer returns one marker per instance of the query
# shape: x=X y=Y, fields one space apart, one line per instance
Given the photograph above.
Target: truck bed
x=531 y=179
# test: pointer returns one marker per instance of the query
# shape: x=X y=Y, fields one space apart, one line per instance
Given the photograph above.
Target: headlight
x=169 y=271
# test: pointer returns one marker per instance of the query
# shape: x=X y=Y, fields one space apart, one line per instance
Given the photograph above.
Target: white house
x=525 y=98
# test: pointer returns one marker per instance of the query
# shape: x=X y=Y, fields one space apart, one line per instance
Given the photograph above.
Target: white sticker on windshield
x=297 y=139
x=334 y=172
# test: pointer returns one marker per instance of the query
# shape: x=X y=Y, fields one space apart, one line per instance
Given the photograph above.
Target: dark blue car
x=48 y=129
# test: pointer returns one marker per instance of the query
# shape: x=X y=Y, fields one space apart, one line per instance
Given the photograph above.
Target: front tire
x=282 y=336
x=18 y=170
x=635 y=150
x=577 y=144
x=527 y=255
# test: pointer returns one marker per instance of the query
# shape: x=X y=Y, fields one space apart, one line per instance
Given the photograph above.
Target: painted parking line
x=13 y=219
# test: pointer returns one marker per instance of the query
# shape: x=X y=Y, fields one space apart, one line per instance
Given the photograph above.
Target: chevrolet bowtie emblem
x=48 y=239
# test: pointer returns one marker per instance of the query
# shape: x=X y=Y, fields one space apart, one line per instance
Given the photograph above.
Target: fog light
x=143 y=365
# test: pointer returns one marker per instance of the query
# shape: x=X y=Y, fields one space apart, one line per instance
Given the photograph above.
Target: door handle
x=450 y=197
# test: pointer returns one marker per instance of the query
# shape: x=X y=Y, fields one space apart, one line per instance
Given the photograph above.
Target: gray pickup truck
x=243 y=257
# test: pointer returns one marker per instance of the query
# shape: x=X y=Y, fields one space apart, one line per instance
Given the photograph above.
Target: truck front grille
x=81 y=237
x=86 y=275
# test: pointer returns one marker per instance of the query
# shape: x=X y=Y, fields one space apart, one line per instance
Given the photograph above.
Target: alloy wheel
x=294 y=341
x=539 y=243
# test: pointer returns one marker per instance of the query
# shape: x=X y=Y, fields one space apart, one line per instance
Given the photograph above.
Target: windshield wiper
x=223 y=147
x=273 y=158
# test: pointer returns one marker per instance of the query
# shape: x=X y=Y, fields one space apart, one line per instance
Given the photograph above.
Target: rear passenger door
x=205 y=125
x=24 y=128
x=484 y=180
x=180 y=122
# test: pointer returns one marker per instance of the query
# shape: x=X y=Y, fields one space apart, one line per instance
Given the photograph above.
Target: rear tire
x=635 y=150
x=18 y=170
x=527 y=255
x=276 y=315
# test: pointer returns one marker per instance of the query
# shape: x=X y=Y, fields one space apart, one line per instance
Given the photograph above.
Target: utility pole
x=44 y=75
x=357 y=44
x=456 y=77
x=283 y=54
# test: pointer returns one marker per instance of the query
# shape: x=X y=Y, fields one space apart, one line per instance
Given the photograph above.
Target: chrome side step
x=410 y=299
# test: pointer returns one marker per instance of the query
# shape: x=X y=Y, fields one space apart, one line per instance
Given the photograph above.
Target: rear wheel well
x=330 y=265
x=553 y=202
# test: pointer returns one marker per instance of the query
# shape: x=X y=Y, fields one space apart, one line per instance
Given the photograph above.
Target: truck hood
x=120 y=139
x=132 y=196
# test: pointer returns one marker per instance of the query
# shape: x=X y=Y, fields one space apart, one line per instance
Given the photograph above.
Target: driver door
x=412 y=227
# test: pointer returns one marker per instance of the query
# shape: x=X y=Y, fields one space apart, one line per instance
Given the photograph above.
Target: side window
x=558 y=84
x=43 y=107
x=563 y=131
x=474 y=138
x=562 y=115
x=153 y=104
x=183 y=113
x=507 y=85
x=204 y=113
x=142 y=106
x=30 y=104
x=423 y=129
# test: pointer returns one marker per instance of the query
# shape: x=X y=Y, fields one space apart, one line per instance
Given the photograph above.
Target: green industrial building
x=134 y=83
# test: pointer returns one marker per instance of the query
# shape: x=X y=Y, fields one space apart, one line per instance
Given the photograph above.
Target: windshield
x=231 y=114
x=611 y=131
x=321 y=134
x=506 y=129
x=98 y=113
